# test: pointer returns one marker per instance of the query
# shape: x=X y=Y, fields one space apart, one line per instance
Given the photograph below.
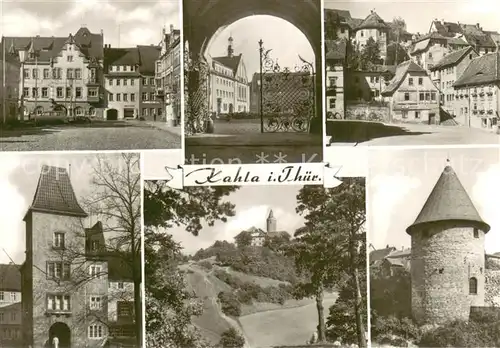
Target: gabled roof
x=230 y=62
x=10 y=278
x=448 y=201
x=121 y=56
x=54 y=193
x=372 y=21
x=148 y=56
x=452 y=58
x=401 y=71
x=481 y=70
x=335 y=49
x=380 y=254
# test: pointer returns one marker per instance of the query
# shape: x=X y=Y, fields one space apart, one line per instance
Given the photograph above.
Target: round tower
x=447 y=254
x=271 y=222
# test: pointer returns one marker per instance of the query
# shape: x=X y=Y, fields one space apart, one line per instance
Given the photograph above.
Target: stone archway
x=112 y=115
x=204 y=19
x=63 y=334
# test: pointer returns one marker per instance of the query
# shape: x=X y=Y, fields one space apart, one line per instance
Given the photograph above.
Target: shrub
x=229 y=303
x=231 y=338
x=405 y=329
x=205 y=264
x=458 y=334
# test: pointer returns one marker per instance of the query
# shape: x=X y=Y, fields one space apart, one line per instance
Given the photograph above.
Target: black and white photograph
x=70 y=256
x=259 y=267
x=434 y=247
x=253 y=73
x=90 y=75
x=420 y=73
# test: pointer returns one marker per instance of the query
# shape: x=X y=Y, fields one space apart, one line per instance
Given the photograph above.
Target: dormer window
x=94 y=245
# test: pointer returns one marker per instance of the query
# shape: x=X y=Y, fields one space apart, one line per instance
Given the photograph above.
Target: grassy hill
x=263 y=324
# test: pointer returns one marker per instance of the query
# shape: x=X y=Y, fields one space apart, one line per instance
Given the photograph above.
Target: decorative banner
x=253 y=174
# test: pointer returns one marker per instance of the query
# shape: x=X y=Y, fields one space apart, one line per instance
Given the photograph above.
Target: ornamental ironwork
x=196 y=94
x=287 y=98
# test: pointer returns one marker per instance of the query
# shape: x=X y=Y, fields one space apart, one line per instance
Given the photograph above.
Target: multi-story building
x=259 y=236
x=412 y=95
x=229 y=88
x=445 y=72
x=10 y=306
x=482 y=41
x=130 y=83
x=168 y=75
x=373 y=27
x=335 y=59
x=63 y=71
x=477 y=90
x=9 y=94
x=368 y=84
x=338 y=24
x=72 y=288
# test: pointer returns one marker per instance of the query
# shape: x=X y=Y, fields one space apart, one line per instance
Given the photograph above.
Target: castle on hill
x=259 y=235
x=451 y=276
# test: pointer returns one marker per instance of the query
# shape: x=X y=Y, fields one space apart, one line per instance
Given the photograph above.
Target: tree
x=396 y=54
x=370 y=54
x=231 y=338
x=332 y=23
x=243 y=239
x=332 y=244
x=397 y=29
x=170 y=306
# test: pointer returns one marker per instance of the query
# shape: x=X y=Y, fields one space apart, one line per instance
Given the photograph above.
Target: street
x=379 y=134
x=101 y=136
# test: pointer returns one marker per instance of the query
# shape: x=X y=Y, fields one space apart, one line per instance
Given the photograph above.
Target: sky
x=285 y=40
x=124 y=23
x=19 y=174
x=418 y=15
x=400 y=182
x=253 y=204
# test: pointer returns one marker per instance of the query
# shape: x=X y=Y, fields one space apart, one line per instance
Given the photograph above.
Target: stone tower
x=55 y=257
x=447 y=254
x=271 y=222
x=230 y=50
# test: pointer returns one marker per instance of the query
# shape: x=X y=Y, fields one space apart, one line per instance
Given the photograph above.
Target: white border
x=367 y=230
x=323 y=79
x=182 y=73
x=143 y=271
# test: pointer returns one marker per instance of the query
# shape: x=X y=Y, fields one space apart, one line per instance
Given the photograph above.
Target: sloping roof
x=54 y=193
x=400 y=253
x=452 y=58
x=355 y=22
x=278 y=234
x=342 y=16
x=230 y=62
x=448 y=201
x=483 y=69
x=121 y=56
x=380 y=254
x=372 y=21
x=148 y=57
x=335 y=49
x=401 y=71
x=10 y=278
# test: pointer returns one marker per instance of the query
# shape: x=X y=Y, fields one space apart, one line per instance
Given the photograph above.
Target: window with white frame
x=95 y=331
x=2 y=296
x=13 y=296
x=95 y=302
x=58 y=240
x=58 y=302
x=58 y=270
x=95 y=271
x=120 y=285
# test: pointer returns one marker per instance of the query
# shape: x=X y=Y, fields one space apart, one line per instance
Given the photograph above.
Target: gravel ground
x=61 y=138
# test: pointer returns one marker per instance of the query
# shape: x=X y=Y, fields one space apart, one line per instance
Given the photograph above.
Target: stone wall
x=492 y=288
x=444 y=258
x=367 y=112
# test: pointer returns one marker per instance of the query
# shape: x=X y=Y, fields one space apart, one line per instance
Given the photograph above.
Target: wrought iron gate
x=287 y=98
x=196 y=93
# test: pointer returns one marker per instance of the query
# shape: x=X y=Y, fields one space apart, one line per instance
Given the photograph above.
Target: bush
x=206 y=265
x=231 y=338
x=404 y=329
x=458 y=334
x=229 y=303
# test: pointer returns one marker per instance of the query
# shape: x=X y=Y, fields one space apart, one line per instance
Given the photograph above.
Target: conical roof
x=271 y=215
x=54 y=193
x=448 y=201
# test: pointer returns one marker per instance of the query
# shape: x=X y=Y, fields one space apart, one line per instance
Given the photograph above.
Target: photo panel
x=433 y=246
x=70 y=256
x=250 y=95
x=399 y=76
x=255 y=266
x=91 y=75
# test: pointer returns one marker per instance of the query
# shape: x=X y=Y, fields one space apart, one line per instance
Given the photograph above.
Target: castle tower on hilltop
x=271 y=222
x=447 y=258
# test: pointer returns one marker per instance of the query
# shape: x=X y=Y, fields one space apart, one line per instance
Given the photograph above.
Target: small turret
x=271 y=222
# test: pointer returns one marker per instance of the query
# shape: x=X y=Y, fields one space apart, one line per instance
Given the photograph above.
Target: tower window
x=473 y=286
x=58 y=240
x=476 y=233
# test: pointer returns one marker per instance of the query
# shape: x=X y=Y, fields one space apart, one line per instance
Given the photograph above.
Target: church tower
x=447 y=254
x=230 y=50
x=271 y=222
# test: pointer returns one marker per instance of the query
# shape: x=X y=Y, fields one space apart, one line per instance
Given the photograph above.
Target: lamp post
x=22 y=59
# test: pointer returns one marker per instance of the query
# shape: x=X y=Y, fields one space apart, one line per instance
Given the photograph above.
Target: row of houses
x=451 y=77
x=82 y=76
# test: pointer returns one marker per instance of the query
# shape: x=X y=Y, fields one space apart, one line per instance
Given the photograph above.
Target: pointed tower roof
x=54 y=193
x=271 y=215
x=448 y=201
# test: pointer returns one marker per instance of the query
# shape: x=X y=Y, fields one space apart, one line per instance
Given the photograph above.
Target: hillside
x=284 y=321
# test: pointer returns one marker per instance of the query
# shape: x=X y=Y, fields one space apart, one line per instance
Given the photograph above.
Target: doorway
x=63 y=334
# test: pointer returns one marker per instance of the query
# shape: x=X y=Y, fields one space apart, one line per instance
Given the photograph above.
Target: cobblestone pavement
x=121 y=136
